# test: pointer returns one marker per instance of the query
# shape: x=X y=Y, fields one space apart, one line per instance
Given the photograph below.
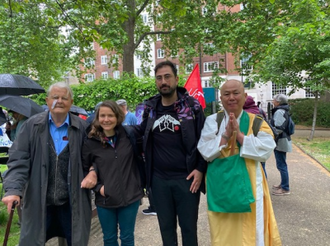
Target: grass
x=318 y=148
x=14 y=233
x=14 y=229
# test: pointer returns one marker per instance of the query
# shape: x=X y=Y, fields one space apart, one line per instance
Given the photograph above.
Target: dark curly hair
x=96 y=129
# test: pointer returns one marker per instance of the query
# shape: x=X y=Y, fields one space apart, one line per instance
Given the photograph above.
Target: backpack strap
x=219 y=118
x=258 y=119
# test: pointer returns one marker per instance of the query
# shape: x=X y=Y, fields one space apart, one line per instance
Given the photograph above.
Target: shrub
x=302 y=112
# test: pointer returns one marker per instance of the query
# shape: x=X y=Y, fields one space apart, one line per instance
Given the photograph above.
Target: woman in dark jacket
x=118 y=190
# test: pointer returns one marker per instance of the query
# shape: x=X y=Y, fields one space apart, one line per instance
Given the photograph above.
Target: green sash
x=228 y=184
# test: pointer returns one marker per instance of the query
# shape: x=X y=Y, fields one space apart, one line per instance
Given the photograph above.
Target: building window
x=89 y=62
x=105 y=75
x=144 y=18
x=104 y=60
x=210 y=66
x=160 y=53
x=309 y=93
x=278 y=89
x=115 y=59
x=139 y=72
x=116 y=74
x=159 y=37
x=206 y=83
x=89 y=77
x=246 y=68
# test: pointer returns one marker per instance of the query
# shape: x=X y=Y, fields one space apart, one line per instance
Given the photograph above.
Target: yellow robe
x=239 y=229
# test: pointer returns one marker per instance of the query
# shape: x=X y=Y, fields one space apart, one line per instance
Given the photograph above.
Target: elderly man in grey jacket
x=280 y=121
x=45 y=168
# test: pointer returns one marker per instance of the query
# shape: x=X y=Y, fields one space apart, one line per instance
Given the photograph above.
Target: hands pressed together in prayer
x=230 y=128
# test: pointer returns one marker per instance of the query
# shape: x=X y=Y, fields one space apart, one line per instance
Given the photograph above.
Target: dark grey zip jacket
x=28 y=168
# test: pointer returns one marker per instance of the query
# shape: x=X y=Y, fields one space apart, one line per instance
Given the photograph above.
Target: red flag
x=194 y=86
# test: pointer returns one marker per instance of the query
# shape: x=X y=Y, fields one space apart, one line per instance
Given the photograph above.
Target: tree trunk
x=128 y=48
x=311 y=136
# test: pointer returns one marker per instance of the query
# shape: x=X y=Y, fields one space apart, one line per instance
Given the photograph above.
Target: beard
x=167 y=93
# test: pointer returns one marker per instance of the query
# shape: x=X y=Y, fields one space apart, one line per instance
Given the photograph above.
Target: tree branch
x=144 y=5
x=149 y=33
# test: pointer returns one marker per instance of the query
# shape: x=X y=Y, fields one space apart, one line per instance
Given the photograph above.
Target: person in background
x=112 y=150
x=4 y=138
x=233 y=142
x=90 y=119
x=130 y=118
x=45 y=164
x=251 y=107
x=283 y=142
x=13 y=129
x=171 y=126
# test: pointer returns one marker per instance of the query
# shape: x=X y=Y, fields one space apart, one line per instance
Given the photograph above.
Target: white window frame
x=278 y=89
x=139 y=72
x=144 y=18
x=105 y=75
x=89 y=77
x=89 y=62
x=116 y=74
x=115 y=58
x=210 y=66
x=160 y=53
x=104 y=60
x=206 y=84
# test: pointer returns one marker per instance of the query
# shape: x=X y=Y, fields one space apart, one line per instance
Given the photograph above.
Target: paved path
x=303 y=217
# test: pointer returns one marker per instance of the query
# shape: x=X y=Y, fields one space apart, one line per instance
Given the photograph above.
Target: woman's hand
x=102 y=191
x=90 y=180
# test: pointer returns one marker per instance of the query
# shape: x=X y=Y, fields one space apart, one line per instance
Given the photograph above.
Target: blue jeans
x=125 y=217
x=174 y=201
x=282 y=167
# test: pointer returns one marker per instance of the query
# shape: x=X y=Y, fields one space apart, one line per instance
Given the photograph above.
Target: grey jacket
x=27 y=177
x=280 y=122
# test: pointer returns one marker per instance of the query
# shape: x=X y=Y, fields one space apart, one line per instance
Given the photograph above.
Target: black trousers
x=174 y=202
x=59 y=222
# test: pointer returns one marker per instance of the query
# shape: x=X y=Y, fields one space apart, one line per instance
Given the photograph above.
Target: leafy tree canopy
x=279 y=38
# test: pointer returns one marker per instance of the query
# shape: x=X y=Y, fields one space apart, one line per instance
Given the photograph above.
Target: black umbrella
x=78 y=110
x=21 y=105
x=13 y=84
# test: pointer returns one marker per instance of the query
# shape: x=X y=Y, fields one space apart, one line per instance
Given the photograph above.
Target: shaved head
x=233 y=96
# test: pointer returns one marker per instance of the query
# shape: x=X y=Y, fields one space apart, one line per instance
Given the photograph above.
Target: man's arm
x=259 y=147
x=90 y=179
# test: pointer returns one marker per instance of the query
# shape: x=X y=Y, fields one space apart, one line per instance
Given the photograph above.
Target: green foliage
x=32 y=43
x=133 y=89
x=302 y=112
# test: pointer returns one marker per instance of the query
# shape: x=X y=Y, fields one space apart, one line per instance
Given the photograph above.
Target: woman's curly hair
x=96 y=129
